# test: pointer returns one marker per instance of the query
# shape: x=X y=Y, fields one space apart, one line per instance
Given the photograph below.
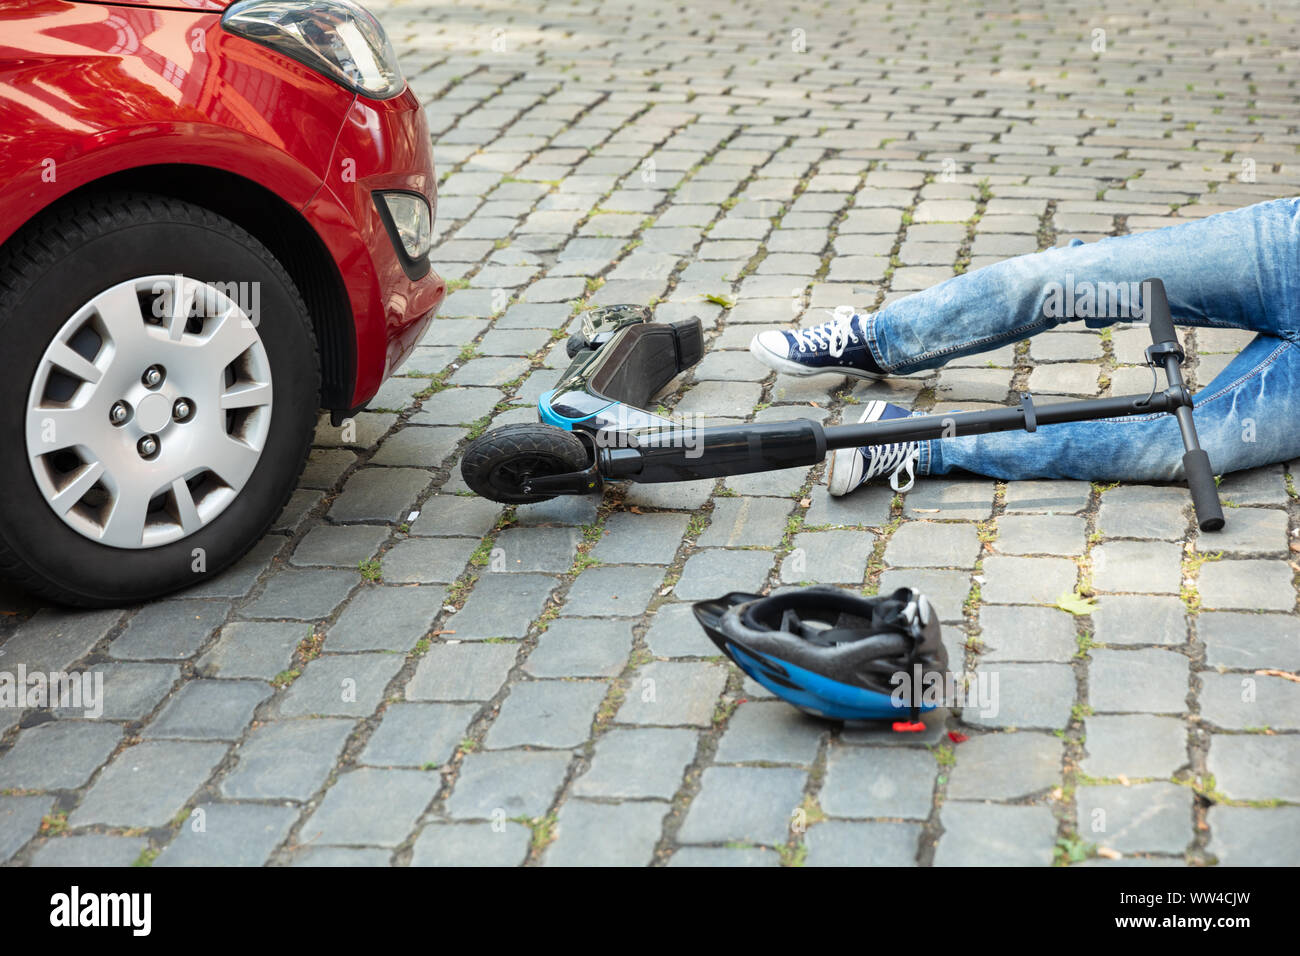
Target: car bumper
x=382 y=146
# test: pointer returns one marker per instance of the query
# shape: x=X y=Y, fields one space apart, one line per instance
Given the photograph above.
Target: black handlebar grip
x=1205 y=494
x=1156 y=305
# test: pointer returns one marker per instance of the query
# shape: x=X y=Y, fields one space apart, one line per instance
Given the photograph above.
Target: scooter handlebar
x=1156 y=304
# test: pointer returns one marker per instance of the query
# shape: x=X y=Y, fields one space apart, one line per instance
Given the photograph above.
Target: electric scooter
x=595 y=426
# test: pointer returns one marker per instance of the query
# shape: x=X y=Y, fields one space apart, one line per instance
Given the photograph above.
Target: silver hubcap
x=149 y=411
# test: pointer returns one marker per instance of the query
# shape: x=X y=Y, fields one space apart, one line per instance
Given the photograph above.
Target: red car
x=215 y=220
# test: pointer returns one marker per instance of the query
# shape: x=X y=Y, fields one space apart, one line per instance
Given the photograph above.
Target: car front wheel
x=158 y=389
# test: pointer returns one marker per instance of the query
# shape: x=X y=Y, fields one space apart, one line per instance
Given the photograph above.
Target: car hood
x=213 y=5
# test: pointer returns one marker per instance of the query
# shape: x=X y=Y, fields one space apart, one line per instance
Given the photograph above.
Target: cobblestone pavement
x=402 y=673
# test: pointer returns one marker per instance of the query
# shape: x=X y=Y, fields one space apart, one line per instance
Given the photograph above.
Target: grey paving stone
x=383 y=618
x=1047 y=497
x=680 y=495
x=565 y=510
x=20 y=818
x=742 y=522
x=1250 y=641
x=209 y=710
x=581 y=647
x=1138 y=681
x=58 y=755
x=473 y=671
x=828 y=557
x=671 y=693
x=286 y=759
x=1143 y=511
x=879 y=782
x=1026 y=696
x=674 y=632
x=641 y=538
x=325 y=466
x=866 y=507
x=255 y=649
x=130 y=690
x=418 y=734
x=427 y=560
x=1009 y=580
x=971 y=500
x=231 y=835
x=988 y=834
x=710 y=856
x=304 y=595
x=90 y=849
x=638 y=763
x=369 y=807
x=379 y=494
x=1143 y=566
x=501 y=605
x=547 y=713
x=340 y=685
x=1249 y=585
x=418 y=446
x=715 y=571
x=340 y=546
x=340 y=856
x=535 y=549
x=168 y=630
x=1134 y=746
x=840 y=843
x=947 y=590
x=507 y=784
x=301 y=503
x=743 y=804
x=1245 y=702
x=146 y=785
x=933 y=544
x=362 y=430
x=770 y=732
x=1142 y=818
x=472 y=844
x=1041 y=534
x=1258 y=486
x=1005 y=767
x=457 y=406
x=456 y=516
x=1255 y=766
x=1026 y=634
x=599 y=834
x=1251 y=836
x=1138 y=619
x=1253 y=531
x=613 y=591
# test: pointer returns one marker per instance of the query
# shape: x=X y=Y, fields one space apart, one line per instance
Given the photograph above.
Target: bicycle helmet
x=830 y=652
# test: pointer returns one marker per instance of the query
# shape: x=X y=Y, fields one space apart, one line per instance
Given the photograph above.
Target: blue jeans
x=1234 y=270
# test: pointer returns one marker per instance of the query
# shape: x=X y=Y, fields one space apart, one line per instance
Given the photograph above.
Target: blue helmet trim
x=815 y=693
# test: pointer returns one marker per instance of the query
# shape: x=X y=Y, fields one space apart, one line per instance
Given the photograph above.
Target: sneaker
x=837 y=346
x=852 y=467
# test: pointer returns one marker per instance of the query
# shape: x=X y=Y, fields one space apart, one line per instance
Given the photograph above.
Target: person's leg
x=1238 y=269
x=1245 y=418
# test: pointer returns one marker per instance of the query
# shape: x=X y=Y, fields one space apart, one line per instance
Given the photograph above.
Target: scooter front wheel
x=497 y=463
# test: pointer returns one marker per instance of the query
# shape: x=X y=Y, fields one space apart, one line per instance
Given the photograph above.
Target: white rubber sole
x=787 y=367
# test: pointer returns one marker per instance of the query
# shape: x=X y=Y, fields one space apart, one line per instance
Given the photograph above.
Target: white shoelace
x=834 y=336
x=896 y=459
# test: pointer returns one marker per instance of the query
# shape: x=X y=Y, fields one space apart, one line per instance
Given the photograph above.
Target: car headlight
x=338 y=38
x=414 y=223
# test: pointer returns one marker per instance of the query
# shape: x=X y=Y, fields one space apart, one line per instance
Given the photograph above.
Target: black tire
x=495 y=463
x=63 y=261
x=575 y=344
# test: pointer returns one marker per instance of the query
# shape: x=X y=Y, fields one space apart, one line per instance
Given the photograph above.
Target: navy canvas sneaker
x=837 y=346
x=853 y=467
